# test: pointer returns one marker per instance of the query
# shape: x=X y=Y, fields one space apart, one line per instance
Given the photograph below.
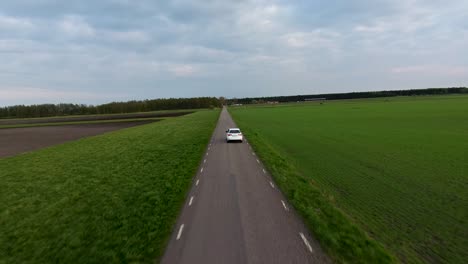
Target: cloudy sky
x=98 y=51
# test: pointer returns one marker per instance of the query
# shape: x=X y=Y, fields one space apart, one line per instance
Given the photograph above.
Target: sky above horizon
x=95 y=52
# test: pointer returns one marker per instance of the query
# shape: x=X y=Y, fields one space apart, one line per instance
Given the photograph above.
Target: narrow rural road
x=234 y=213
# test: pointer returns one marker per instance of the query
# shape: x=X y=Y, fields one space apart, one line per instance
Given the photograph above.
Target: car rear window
x=234 y=131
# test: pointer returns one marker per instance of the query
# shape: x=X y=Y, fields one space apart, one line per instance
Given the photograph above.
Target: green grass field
x=112 y=198
x=396 y=167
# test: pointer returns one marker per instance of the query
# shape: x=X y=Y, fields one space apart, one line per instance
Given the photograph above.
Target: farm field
x=102 y=199
x=14 y=141
x=20 y=122
x=396 y=167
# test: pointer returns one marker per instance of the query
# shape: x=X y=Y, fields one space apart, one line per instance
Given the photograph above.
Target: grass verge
x=104 y=199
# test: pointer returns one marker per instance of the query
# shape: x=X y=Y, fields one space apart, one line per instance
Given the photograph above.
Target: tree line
x=47 y=110
x=353 y=95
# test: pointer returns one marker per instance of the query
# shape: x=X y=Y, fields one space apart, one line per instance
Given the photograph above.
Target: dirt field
x=14 y=141
x=91 y=118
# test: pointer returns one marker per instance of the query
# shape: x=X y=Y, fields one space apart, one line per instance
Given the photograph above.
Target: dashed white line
x=201 y=170
x=180 y=231
x=196 y=184
x=284 y=205
x=272 y=185
x=204 y=161
x=264 y=171
x=190 y=202
x=207 y=153
x=309 y=247
x=253 y=153
x=258 y=161
x=209 y=148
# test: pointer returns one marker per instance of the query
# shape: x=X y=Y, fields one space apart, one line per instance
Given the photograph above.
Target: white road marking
x=264 y=171
x=190 y=202
x=180 y=231
x=209 y=148
x=253 y=153
x=272 y=185
x=207 y=153
x=201 y=170
x=309 y=247
x=258 y=161
x=284 y=205
x=204 y=161
x=197 y=182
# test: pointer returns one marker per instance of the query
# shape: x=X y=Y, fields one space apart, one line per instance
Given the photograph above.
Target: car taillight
x=229 y=135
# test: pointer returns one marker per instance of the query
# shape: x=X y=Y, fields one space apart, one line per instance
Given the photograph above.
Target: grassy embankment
x=395 y=168
x=103 y=199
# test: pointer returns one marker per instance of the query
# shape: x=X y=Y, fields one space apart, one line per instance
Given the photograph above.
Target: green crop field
x=112 y=198
x=396 y=168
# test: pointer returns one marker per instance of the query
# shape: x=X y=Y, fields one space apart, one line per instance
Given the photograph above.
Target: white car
x=234 y=134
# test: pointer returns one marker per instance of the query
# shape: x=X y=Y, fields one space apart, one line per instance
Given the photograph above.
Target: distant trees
x=354 y=95
x=46 y=110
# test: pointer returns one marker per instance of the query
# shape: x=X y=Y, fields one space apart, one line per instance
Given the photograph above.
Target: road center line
x=309 y=247
x=190 y=202
x=204 y=161
x=180 y=231
x=196 y=184
x=272 y=185
x=284 y=205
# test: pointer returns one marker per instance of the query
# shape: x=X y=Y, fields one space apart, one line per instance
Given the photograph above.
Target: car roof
x=234 y=128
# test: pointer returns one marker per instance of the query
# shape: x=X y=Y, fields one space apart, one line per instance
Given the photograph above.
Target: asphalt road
x=234 y=213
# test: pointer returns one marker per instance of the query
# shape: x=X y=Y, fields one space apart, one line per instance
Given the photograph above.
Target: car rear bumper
x=235 y=138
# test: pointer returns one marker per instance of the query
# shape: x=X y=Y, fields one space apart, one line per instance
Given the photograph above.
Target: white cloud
x=76 y=26
x=28 y=95
x=296 y=40
x=183 y=70
x=439 y=70
x=318 y=38
x=260 y=17
x=133 y=36
x=15 y=23
x=376 y=28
